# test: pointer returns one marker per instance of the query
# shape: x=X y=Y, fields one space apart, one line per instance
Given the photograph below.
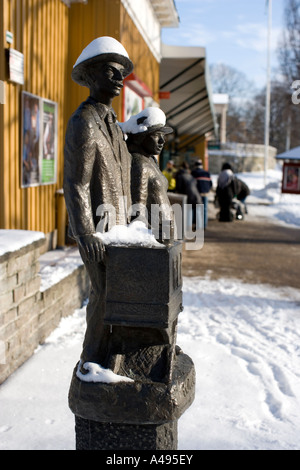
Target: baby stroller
x=237 y=206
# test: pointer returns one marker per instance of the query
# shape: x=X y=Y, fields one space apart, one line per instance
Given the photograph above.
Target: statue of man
x=97 y=174
x=146 y=133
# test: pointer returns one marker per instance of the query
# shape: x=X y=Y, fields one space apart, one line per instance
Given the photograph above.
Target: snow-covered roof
x=293 y=154
x=220 y=98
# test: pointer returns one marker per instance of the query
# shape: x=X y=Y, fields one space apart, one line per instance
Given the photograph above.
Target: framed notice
x=39 y=141
x=291 y=178
x=15 y=66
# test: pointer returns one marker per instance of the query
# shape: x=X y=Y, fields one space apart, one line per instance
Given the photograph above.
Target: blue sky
x=234 y=32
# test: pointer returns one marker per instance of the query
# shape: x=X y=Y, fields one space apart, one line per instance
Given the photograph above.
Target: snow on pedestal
x=134 y=234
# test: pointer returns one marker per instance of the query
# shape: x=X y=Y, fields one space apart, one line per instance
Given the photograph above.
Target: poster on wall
x=133 y=103
x=48 y=167
x=291 y=178
x=31 y=140
x=39 y=141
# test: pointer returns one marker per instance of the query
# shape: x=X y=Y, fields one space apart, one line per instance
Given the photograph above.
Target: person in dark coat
x=186 y=184
x=242 y=192
x=204 y=185
x=226 y=191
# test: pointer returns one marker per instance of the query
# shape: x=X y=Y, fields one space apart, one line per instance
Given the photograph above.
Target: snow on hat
x=148 y=120
x=102 y=49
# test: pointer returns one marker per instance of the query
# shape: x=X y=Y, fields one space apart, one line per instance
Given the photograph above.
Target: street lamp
x=268 y=93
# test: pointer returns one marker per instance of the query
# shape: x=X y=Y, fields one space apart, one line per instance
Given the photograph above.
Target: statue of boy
x=145 y=141
x=96 y=173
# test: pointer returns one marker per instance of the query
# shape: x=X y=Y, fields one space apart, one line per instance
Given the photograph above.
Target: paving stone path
x=254 y=250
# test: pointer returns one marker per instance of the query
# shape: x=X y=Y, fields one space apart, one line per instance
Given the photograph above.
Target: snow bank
x=268 y=201
x=56 y=265
x=13 y=240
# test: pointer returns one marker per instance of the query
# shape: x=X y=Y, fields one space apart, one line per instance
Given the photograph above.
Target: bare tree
x=241 y=90
x=286 y=126
x=289 y=46
x=284 y=119
x=246 y=112
x=228 y=80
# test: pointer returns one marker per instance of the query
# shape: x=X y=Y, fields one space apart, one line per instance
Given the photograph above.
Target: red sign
x=164 y=95
x=291 y=178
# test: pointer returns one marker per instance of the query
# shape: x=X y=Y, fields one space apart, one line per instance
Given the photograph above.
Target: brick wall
x=27 y=314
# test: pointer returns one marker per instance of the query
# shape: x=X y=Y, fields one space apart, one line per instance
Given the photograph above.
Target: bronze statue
x=96 y=172
x=145 y=134
x=136 y=292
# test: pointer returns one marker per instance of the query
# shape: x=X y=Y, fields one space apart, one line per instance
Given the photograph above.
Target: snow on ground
x=243 y=339
x=269 y=201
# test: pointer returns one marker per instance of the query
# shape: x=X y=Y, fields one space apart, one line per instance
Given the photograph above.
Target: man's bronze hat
x=103 y=49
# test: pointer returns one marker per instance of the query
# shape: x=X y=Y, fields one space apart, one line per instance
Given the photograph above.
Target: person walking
x=242 y=192
x=170 y=173
x=225 y=192
x=204 y=185
x=186 y=184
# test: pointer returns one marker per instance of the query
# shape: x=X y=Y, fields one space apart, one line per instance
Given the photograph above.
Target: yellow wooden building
x=40 y=41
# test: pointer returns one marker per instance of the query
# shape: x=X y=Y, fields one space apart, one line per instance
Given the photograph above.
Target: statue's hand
x=92 y=248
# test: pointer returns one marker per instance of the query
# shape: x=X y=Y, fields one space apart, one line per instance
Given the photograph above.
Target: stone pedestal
x=131 y=415
x=144 y=298
x=92 y=435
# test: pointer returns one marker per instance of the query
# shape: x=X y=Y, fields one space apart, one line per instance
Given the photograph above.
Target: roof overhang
x=69 y=2
x=189 y=108
x=166 y=13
